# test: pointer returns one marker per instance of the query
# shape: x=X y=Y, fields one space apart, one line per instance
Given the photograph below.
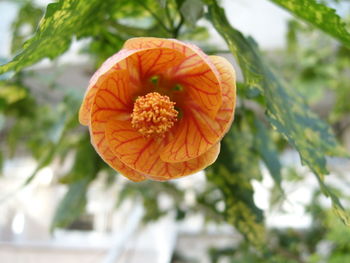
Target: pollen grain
x=153 y=114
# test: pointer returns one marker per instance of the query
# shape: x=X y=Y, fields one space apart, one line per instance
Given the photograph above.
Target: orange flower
x=158 y=108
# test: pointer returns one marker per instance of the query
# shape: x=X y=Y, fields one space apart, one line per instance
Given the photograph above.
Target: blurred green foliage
x=280 y=83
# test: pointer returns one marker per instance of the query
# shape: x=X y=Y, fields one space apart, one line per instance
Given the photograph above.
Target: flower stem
x=154 y=15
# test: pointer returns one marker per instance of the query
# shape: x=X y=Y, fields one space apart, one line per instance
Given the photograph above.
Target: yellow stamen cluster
x=153 y=114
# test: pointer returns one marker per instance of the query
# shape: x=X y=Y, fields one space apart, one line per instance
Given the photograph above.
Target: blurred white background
x=117 y=235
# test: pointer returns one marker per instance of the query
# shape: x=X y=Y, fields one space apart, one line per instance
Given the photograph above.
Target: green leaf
x=87 y=162
x=319 y=15
x=192 y=10
x=292 y=39
x=179 y=3
x=286 y=109
x=43 y=161
x=162 y=3
x=72 y=205
x=12 y=93
x=232 y=173
x=86 y=166
x=268 y=152
x=150 y=192
x=62 y=21
x=28 y=16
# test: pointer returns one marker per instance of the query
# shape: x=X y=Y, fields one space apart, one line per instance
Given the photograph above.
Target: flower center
x=153 y=114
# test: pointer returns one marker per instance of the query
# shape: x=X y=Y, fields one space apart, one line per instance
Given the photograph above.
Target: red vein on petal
x=155 y=61
x=200 y=90
x=142 y=151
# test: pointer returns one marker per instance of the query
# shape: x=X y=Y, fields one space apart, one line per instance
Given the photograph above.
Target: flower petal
x=153 y=42
x=111 y=100
x=129 y=145
x=84 y=112
x=142 y=154
x=165 y=171
x=99 y=142
x=139 y=63
x=203 y=86
x=196 y=132
x=194 y=135
x=114 y=96
x=156 y=60
x=228 y=83
x=195 y=72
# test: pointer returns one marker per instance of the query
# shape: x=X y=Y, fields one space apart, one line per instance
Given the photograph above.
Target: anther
x=153 y=114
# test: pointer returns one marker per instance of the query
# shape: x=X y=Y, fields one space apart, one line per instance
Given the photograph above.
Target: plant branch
x=136 y=31
x=154 y=15
x=167 y=14
x=217 y=51
x=178 y=27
